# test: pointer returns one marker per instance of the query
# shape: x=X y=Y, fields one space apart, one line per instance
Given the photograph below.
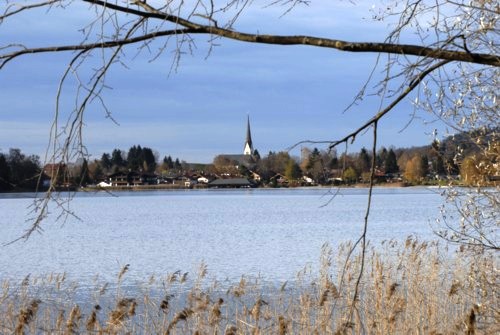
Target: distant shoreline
x=166 y=187
x=205 y=186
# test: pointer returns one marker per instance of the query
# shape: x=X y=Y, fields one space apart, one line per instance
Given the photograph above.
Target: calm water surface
x=274 y=233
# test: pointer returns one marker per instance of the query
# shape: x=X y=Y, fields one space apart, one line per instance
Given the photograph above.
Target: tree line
x=21 y=172
x=137 y=159
x=18 y=171
x=454 y=156
x=324 y=167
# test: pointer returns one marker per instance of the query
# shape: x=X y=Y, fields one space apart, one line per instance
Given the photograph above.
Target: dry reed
x=409 y=288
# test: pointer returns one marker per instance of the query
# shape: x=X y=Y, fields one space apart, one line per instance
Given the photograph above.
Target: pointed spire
x=249 y=134
x=248 y=150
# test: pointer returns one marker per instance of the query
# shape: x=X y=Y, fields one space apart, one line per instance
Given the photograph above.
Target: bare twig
x=363 y=236
x=194 y=28
x=411 y=86
x=27 y=7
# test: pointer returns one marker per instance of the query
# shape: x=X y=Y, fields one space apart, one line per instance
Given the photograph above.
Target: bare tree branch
x=8 y=13
x=413 y=84
x=100 y=45
x=194 y=28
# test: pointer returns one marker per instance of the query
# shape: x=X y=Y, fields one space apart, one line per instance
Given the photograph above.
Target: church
x=248 y=149
x=246 y=159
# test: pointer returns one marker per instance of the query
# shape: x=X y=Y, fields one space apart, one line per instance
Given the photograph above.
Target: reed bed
x=407 y=288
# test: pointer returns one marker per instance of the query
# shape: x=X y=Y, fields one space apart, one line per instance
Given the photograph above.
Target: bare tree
x=450 y=70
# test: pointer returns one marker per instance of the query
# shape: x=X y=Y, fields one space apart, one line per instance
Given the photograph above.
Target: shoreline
x=167 y=187
x=205 y=187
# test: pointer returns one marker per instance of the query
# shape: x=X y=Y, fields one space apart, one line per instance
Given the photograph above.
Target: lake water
x=271 y=232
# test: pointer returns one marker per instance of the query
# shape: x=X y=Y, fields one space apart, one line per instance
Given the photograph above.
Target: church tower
x=248 y=150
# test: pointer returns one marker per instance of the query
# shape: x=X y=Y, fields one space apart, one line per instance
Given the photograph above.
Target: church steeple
x=248 y=149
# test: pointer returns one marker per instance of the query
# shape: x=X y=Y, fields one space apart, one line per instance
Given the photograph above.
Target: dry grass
x=415 y=288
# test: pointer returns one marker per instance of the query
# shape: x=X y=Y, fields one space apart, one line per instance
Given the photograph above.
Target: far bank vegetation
x=457 y=159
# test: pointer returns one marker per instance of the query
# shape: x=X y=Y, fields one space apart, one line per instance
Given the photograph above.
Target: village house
x=231 y=182
x=132 y=178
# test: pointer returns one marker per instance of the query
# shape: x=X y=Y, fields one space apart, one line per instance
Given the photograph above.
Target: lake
x=269 y=232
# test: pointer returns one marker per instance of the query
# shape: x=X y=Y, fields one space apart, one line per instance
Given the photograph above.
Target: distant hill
x=465 y=143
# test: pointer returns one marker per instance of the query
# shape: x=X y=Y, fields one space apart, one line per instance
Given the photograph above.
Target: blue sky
x=291 y=93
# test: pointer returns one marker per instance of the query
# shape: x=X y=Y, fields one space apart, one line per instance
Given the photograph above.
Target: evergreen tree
x=117 y=158
x=169 y=163
x=381 y=157
x=334 y=163
x=134 y=161
x=84 y=177
x=106 y=162
x=149 y=160
x=313 y=157
x=439 y=165
x=364 y=161
x=391 y=163
x=24 y=171
x=141 y=159
x=4 y=174
x=98 y=173
x=424 y=166
x=177 y=164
